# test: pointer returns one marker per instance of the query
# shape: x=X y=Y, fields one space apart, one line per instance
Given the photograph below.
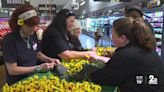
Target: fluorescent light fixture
x=82 y=3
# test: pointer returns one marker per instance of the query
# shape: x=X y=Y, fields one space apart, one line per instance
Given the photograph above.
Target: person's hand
x=94 y=57
x=94 y=49
x=47 y=66
x=108 y=53
x=55 y=61
x=90 y=52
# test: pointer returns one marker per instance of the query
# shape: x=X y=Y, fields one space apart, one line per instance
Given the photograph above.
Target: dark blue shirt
x=54 y=42
x=15 y=51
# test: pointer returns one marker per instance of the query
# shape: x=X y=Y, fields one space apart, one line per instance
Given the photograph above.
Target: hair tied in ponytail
x=138 y=21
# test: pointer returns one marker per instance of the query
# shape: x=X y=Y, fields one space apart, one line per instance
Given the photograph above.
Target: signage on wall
x=11 y=3
x=47 y=7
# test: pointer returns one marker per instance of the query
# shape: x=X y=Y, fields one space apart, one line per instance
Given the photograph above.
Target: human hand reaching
x=94 y=49
x=95 y=57
x=47 y=66
x=90 y=52
x=108 y=53
x=55 y=61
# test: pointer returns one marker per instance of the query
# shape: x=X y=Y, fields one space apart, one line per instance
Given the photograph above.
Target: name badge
x=35 y=46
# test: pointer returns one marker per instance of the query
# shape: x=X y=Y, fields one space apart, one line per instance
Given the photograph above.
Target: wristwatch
x=38 y=69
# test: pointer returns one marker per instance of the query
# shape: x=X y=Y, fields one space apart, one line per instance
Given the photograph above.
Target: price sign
x=11 y=3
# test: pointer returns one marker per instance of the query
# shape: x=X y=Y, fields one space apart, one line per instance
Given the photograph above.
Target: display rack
x=156 y=20
x=4 y=29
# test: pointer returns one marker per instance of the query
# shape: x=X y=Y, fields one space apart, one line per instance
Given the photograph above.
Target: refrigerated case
x=156 y=20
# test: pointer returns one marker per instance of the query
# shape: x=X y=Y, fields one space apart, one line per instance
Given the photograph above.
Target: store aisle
x=89 y=42
x=86 y=41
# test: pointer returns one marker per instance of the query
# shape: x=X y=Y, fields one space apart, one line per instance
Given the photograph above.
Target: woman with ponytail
x=135 y=66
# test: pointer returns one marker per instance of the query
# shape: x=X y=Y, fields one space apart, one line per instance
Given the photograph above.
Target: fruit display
x=51 y=83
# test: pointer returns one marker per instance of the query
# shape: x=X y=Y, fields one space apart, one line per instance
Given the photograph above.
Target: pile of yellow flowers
x=51 y=83
x=102 y=51
x=74 y=65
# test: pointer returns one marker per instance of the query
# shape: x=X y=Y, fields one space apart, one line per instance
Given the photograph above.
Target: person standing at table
x=20 y=47
x=135 y=12
x=98 y=35
x=75 y=36
x=56 y=38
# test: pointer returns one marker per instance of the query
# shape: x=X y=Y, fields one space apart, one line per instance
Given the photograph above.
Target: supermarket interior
x=96 y=19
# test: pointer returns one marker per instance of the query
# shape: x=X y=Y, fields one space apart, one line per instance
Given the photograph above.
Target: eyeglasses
x=69 y=13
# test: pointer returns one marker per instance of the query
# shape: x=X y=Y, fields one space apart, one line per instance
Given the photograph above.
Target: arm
x=74 y=54
x=10 y=57
x=44 y=58
x=98 y=58
x=13 y=69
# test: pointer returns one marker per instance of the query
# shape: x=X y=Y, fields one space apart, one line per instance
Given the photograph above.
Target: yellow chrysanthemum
x=52 y=84
x=20 y=22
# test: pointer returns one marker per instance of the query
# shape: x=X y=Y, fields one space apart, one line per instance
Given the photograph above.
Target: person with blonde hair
x=75 y=36
x=76 y=29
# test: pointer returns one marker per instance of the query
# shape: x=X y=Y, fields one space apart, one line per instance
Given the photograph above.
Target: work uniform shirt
x=54 y=43
x=133 y=69
x=76 y=43
x=15 y=51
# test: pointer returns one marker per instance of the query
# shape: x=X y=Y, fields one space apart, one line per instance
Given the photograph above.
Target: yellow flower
x=20 y=22
x=36 y=77
x=44 y=78
x=96 y=88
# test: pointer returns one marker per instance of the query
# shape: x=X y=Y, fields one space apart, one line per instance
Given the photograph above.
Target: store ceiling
x=64 y=2
x=57 y=2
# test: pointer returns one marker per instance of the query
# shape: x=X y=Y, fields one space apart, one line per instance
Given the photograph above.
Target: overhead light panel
x=82 y=2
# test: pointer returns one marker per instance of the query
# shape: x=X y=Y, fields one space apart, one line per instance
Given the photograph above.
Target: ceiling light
x=82 y=3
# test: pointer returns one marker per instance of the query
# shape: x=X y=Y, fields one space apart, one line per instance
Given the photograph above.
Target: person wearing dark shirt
x=135 y=12
x=56 y=39
x=98 y=35
x=20 y=47
x=135 y=66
